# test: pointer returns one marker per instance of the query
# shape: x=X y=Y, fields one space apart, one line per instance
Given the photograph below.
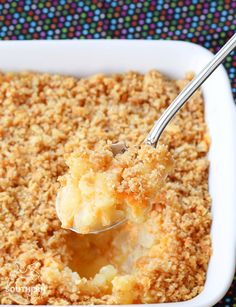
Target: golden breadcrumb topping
x=102 y=189
x=44 y=119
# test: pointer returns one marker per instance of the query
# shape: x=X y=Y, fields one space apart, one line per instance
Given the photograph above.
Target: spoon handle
x=188 y=91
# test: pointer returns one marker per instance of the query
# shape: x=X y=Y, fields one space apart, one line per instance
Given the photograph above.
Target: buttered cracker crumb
x=47 y=117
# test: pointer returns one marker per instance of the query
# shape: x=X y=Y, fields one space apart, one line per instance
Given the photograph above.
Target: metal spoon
x=174 y=107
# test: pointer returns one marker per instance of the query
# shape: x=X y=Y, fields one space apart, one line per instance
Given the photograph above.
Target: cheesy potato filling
x=101 y=189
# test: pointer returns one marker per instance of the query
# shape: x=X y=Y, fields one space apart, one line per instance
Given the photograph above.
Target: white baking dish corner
x=173 y=58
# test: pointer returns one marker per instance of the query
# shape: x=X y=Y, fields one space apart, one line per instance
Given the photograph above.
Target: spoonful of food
x=110 y=185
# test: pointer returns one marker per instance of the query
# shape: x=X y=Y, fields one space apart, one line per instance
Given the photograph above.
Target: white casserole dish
x=173 y=58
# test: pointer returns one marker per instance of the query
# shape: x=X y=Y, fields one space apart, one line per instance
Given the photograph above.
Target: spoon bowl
x=96 y=231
